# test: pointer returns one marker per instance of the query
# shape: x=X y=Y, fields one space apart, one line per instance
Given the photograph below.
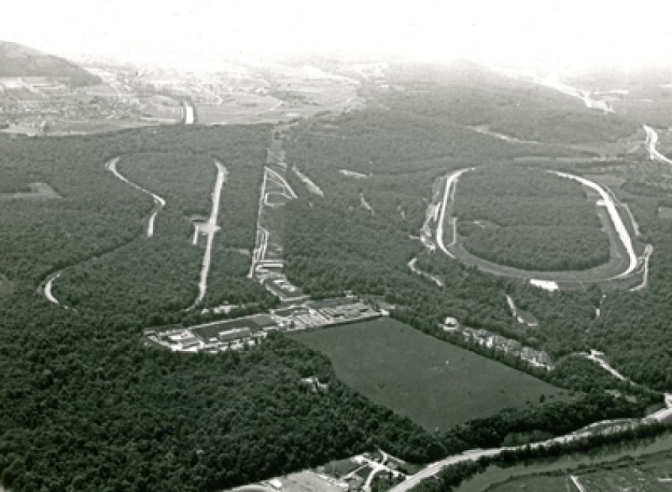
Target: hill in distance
x=17 y=60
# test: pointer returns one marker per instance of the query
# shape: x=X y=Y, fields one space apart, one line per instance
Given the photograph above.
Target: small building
x=235 y=335
x=275 y=483
x=450 y=324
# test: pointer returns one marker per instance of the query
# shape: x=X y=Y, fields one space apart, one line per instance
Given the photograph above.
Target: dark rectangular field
x=434 y=383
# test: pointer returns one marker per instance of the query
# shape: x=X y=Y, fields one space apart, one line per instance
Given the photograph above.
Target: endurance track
x=603 y=273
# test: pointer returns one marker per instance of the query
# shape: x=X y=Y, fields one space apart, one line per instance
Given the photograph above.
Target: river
x=496 y=474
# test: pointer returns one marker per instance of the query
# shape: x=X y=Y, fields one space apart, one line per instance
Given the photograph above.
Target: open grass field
x=40 y=191
x=435 y=384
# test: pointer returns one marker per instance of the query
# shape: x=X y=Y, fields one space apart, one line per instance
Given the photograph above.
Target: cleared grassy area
x=435 y=384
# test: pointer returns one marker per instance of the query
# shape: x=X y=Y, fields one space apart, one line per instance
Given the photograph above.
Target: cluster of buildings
x=193 y=340
x=38 y=105
x=537 y=358
x=249 y=331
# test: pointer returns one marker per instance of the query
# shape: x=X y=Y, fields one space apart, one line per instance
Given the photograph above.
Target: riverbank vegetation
x=452 y=476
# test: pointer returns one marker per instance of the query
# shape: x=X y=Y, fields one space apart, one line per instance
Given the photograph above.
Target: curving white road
x=210 y=229
x=553 y=83
x=158 y=201
x=651 y=144
x=365 y=205
x=281 y=181
x=47 y=289
x=645 y=279
x=262 y=234
x=417 y=271
x=449 y=191
x=615 y=218
x=473 y=455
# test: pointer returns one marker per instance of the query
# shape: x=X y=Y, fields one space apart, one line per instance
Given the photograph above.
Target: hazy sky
x=506 y=30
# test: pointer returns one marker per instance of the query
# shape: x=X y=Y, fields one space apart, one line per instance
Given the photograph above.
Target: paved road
x=159 y=202
x=210 y=229
x=645 y=280
x=416 y=270
x=651 y=143
x=261 y=241
x=451 y=181
x=475 y=454
x=622 y=231
x=47 y=290
x=189 y=113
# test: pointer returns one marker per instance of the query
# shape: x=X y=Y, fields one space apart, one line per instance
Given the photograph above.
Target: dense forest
x=97 y=230
x=87 y=407
x=540 y=248
x=467 y=94
x=333 y=244
x=529 y=219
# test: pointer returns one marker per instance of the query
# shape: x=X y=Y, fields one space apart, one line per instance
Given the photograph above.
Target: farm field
x=435 y=384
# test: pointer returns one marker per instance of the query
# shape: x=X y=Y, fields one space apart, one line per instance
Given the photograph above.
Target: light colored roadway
x=451 y=181
x=281 y=181
x=645 y=280
x=158 y=201
x=189 y=115
x=210 y=229
x=651 y=143
x=416 y=270
x=47 y=290
x=615 y=218
x=475 y=454
x=256 y=254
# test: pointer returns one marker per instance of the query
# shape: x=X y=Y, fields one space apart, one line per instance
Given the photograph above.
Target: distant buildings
x=537 y=358
x=241 y=333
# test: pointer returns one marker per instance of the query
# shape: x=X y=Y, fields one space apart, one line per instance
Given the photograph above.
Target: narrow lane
x=159 y=202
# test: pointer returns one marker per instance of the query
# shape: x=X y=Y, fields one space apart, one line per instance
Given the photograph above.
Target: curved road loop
x=210 y=228
x=651 y=143
x=282 y=182
x=158 y=201
x=615 y=218
x=449 y=192
x=417 y=271
x=645 y=280
x=48 y=292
